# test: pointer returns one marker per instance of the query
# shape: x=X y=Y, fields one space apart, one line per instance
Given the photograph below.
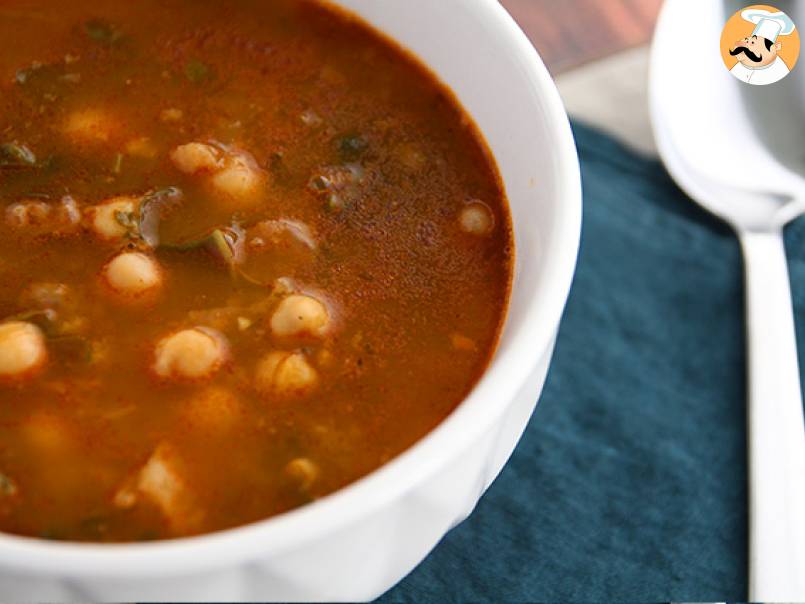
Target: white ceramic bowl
x=358 y=542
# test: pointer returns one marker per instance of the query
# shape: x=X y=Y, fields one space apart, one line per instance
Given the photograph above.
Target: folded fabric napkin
x=630 y=481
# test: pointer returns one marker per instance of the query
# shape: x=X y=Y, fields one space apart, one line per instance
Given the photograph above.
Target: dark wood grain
x=568 y=33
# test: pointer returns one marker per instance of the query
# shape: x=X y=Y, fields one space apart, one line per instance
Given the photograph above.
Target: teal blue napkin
x=630 y=481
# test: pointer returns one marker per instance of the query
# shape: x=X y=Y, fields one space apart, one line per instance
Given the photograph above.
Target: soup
x=249 y=252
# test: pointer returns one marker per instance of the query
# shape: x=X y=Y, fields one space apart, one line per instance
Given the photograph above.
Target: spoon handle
x=776 y=430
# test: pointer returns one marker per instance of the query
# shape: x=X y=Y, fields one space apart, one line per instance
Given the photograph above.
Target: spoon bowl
x=705 y=132
x=709 y=133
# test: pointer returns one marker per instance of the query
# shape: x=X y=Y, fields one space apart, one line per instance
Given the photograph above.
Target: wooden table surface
x=568 y=33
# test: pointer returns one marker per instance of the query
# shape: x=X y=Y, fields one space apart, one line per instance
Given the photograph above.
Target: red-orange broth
x=249 y=252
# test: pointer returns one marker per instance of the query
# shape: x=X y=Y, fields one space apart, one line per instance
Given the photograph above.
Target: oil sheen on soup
x=249 y=252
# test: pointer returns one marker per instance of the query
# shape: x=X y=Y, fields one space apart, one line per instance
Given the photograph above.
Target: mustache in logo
x=743 y=49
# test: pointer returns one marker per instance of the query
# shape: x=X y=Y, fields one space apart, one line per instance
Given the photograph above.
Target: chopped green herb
x=15 y=155
x=352 y=147
x=196 y=71
x=102 y=31
x=223 y=244
x=221 y=247
x=319 y=183
x=118 y=163
x=127 y=221
x=333 y=202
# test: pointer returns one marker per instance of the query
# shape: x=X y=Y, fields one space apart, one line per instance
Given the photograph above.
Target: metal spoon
x=709 y=139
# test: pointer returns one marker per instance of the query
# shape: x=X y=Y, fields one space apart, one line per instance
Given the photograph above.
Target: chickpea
x=299 y=314
x=234 y=174
x=240 y=180
x=22 y=349
x=285 y=373
x=303 y=471
x=27 y=213
x=196 y=157
x=89 y=125
x=477 y=219
x=104 y=217
x=40 y=216
x=191 y=354
x=133 y=274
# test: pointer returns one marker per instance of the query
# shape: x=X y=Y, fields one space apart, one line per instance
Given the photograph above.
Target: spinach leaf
x=222 y=243
x=226 y=245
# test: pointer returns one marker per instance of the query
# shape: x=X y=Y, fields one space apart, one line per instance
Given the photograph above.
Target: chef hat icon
x=768 y=25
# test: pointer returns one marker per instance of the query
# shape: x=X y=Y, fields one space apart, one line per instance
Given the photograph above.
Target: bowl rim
x=415 y=465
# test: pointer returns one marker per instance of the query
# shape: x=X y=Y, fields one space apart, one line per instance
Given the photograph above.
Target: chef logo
x=760 y=45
